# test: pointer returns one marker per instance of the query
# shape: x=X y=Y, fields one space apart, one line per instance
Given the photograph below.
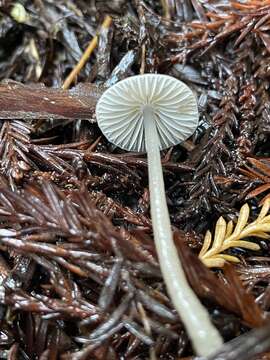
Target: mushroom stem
x=204 y=336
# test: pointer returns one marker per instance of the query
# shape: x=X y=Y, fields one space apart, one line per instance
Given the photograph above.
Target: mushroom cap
x=120 y=111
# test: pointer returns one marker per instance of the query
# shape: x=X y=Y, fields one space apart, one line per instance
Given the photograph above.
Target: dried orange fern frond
x=228 y=236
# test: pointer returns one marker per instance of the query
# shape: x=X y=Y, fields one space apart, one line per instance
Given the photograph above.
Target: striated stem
x=204 y=336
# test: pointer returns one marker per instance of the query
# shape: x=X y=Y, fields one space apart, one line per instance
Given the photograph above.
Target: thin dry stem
x=91 y=47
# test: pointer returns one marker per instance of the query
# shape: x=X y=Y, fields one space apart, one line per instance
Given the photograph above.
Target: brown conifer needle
x=166 y=9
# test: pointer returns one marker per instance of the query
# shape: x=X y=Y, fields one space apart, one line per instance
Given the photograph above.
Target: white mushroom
x=149 y=113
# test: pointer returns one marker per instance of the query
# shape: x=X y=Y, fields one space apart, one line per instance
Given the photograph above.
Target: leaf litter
x=79 y=272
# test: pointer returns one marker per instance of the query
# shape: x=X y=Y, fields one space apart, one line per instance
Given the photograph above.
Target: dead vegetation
x=78 y=269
